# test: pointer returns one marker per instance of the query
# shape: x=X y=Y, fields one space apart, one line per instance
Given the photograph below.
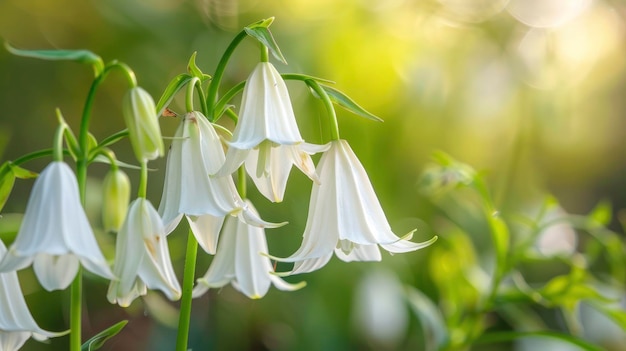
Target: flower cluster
x=345 y=216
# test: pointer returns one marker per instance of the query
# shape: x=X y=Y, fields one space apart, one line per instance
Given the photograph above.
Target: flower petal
x=206 y=229
x=55 y=272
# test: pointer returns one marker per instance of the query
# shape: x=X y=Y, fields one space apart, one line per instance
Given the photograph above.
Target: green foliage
x=470 y=291
x=98 y=340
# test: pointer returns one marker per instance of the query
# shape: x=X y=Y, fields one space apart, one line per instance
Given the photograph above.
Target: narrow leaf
x=194 y=70
x=261 y=32
x=7 y=180
x=82 y=56
x=22 y=173
x=175 y=85
x=510 y=336
x=601 y=214
x=346 y=102
x=99 y=339
x=304 y=78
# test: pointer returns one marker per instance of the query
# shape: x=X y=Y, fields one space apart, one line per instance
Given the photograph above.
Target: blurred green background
x=530 y=92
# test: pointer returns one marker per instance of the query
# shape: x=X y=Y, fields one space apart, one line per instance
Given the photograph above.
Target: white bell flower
x=243 y=261
x=345 y=216
x=195 y=153
x=55 y=233
x=266 y=136
x=16 y=323
x=142 y=258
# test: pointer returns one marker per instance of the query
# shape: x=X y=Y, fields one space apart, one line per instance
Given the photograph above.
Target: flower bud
x=116 y=196
x=143 y=124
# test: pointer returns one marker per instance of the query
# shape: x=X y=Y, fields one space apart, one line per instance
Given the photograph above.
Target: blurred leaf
x=500 y=236
x=510 y=336
x=82 y=56
x=261 y=32
x=7 y=180
x=602 y=213
x=568 y=290
x=194 y=70
x=343 y=100
x=99 y=339
x=8 y=173
x=431 y=320
x=175 y=85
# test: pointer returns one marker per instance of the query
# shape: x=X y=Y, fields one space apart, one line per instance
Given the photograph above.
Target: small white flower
x=196 y=152
x=242 y=260
x=16 y=322
x=55 y=233
x=267 y=136
x=345 y=216
x=142 y=257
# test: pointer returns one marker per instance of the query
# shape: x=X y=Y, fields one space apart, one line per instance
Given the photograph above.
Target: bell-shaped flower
x=243 y=261
x=55 y=233
x=143 y=124
x=196 y=152
x=142 y=257
x=345 y=216
x=266 y=125
x=16 y=323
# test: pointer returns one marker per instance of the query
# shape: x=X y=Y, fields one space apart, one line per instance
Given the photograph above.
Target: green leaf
x=510 y=336
x=103 y=159
x=82 y=56
x=615 y=313
x=343 y=100
x=194 y=70
x=7 y=180
x=602 y=213
x=175 y=85
x=22 y=173
x=304 y=78
x=431 y=320
x=261 y=32
x=99 y=339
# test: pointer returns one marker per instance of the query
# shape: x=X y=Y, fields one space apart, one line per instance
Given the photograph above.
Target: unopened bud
x=116 y=196
x=143 y=124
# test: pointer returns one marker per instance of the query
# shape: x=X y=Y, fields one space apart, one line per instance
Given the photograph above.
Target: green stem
x=57 y=154
x=143 y=180
x=334 y=130
x=219 y=72
x=220 y=106
x=81 y=176
x=76 y=302
x=185 y=304
x=265 y=54
x=241 y=182
x=189 y=96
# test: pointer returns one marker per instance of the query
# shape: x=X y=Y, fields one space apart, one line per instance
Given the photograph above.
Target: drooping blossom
x=55 y=235
x=16 y=323
x=142 y=258
x=266 y=137
x=345 y=216
x=242 y=261
x=189 y=190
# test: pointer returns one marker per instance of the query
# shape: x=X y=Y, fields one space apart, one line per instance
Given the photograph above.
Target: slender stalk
x=189 y=95
x=81 y=176
x=143 y=180
x=184 y=319
x=219 y=72
x=241 y=182
x=265 y=56
x=76 y=302
x=334 y=129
